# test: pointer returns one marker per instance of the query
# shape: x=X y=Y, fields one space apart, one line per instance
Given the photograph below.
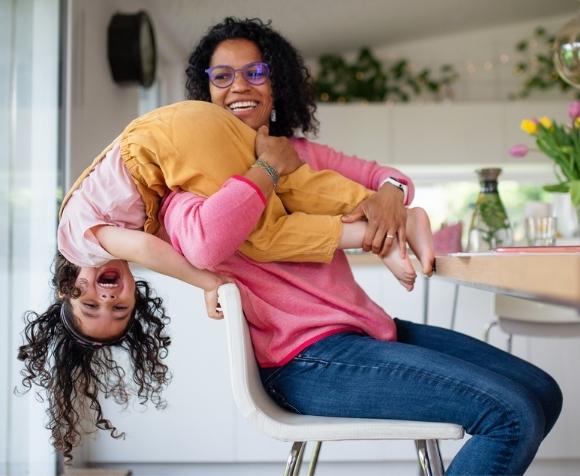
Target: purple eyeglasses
x=223 y=76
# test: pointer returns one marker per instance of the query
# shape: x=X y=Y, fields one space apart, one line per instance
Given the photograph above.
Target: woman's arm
x=197 y=227
x=385 y=211
x=366 y=172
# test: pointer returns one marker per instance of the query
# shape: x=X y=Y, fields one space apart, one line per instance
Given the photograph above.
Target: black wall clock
x=131 y=48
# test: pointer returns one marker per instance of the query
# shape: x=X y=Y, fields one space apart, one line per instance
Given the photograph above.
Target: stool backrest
x=249 y=394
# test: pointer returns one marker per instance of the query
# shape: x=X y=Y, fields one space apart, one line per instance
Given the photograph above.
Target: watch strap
x=395 y=182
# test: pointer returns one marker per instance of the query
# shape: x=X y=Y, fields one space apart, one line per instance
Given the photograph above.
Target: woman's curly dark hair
x=291 y=81
x=72 y=376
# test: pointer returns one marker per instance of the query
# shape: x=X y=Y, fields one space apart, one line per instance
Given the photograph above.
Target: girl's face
x=250 y=103
x=106 y=302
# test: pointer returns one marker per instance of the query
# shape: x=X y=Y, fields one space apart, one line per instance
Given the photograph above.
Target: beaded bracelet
x=271 y=171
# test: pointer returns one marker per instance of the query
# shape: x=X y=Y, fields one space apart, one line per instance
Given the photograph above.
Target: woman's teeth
x=242 y=105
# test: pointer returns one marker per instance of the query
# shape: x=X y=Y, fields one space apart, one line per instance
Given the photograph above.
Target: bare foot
x=420 y=238
x=400 y=267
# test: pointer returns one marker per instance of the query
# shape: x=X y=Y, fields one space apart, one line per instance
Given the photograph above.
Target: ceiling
x=325 y=26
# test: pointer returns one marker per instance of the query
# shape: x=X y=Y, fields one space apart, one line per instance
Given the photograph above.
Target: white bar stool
x=265 y=415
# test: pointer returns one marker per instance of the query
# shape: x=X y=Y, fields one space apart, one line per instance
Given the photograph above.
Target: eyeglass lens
x=223 y=76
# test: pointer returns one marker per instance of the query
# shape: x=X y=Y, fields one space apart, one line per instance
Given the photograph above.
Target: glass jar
x=489 y=226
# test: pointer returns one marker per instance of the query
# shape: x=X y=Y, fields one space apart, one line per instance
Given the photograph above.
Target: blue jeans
x=430 y=374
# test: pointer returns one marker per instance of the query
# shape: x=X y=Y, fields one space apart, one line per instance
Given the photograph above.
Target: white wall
x=99 y=108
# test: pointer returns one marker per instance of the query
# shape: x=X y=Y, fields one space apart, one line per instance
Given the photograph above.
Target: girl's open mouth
x=109 y=279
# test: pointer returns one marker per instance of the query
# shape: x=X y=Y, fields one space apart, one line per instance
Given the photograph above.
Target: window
x=29 y=48
x=454 y=202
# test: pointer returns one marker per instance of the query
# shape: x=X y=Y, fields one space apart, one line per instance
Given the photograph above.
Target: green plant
x=494 y=216
x=367 y=79
x=536 y=66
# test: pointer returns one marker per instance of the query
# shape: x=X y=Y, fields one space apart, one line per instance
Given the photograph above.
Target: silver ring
x=390 y=236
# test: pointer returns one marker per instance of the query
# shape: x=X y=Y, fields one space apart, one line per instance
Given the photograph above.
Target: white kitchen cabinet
x=357 y=129
x=434 y=134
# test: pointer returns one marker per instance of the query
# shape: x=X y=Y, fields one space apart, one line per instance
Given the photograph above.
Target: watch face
x=147 y=52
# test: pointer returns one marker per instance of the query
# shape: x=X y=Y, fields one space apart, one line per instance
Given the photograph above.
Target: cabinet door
x=447 y=134
x=357 y=129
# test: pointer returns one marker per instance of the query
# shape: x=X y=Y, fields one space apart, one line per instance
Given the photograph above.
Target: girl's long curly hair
x=72 y=376
x=293 y=92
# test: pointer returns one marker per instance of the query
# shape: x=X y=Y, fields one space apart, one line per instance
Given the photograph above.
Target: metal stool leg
x=297 y=448
x=454 y=308
x=509 y=343
x=429 y=457
x=298 y=466
x=314 y=460
x=488 y=329
x=425 y=300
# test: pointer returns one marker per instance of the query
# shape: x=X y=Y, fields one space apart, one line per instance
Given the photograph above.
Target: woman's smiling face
x=251 y=103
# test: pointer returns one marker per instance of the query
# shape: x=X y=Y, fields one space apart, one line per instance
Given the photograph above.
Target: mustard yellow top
x=196 y=146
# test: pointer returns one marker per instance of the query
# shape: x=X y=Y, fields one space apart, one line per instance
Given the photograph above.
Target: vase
x=490 y=226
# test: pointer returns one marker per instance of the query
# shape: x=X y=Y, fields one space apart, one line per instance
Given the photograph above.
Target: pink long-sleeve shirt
x=288 y=306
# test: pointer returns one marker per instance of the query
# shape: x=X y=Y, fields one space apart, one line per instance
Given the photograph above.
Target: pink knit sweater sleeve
x=207 y=231
x=366 y=172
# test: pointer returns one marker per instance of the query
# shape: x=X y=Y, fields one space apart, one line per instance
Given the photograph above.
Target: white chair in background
x=516 y=316
x=265 y=415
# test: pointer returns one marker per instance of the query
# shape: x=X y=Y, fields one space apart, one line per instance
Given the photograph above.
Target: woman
x=324 y=348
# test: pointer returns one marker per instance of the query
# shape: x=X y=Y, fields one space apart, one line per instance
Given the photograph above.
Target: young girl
x=69 y=348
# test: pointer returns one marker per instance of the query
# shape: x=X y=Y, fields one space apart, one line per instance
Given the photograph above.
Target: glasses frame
x=243 y=70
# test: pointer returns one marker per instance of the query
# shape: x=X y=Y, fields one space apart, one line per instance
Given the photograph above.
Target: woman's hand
x=277 y=151
x=387 y=219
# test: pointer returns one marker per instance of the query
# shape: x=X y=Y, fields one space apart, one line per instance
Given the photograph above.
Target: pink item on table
x=448 y=239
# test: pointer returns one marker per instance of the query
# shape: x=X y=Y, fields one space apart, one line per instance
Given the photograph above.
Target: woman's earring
x=273 y=115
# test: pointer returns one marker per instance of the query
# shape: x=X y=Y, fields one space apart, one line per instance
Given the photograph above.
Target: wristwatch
x=402 y=186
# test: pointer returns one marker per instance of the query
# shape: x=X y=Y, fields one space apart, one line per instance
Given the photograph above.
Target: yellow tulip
x=529 y=126
x=577 y=122
x=546 y=122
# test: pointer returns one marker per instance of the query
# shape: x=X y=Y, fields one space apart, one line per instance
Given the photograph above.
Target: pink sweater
x=288 y=306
